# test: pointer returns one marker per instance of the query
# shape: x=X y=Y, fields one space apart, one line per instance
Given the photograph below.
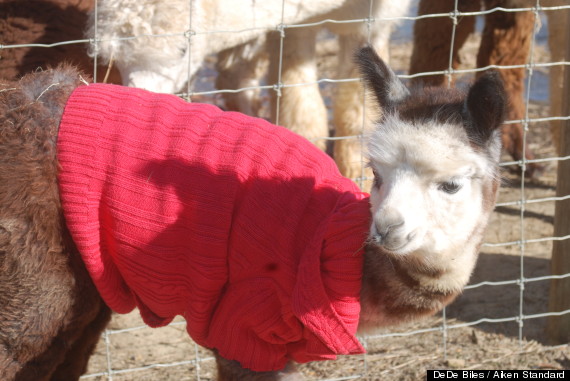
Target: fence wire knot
x=281 y=29
x=454 y=16
x=94 y=42
x=277 y=87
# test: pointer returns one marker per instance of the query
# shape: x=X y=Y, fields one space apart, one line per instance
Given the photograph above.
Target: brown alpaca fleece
x=45 y=22
x=51 y=316
x=505 y=41
x=432 y=38
x=557 y=35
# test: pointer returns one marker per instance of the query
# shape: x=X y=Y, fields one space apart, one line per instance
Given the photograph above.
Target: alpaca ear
x=387 y=87
x=486 y=105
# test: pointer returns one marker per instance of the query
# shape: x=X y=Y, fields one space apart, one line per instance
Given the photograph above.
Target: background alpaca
x=556 y=40
x=53 y=293
x=45 y=22
x=506 y=40
x=161 y=64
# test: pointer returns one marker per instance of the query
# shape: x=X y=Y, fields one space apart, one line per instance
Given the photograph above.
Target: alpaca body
x=166 y=64
x=557 y=27
x=506 y=40
x=46 y=22
x=418 y=254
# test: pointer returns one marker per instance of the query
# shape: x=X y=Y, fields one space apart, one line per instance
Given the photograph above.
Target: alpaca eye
x=377 y=179
x=449 y=187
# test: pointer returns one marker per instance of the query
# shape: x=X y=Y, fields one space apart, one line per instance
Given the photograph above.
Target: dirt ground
x=135 y=352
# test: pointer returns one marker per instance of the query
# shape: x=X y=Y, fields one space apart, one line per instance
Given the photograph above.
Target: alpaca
x=51 y=315
x=165 y=64
x=45 y=22
x=557 y=34
x=505 y=40
x=111 y=181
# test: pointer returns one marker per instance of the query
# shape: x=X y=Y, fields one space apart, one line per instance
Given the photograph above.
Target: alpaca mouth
x=396 y=249
x=391 y=245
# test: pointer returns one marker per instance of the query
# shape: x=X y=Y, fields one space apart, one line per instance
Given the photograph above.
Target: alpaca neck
x=397 y=289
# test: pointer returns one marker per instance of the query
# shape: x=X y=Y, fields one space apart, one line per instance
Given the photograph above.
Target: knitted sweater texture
x=243 y=228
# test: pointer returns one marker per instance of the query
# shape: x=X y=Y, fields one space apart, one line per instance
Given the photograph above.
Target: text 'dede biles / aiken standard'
x=497 y=374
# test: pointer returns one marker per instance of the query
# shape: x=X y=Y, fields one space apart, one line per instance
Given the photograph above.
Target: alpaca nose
x=385 y=228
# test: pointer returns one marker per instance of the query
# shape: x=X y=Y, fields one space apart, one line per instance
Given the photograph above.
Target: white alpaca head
x=434 y=154
x=166 y=79
x=130 y=33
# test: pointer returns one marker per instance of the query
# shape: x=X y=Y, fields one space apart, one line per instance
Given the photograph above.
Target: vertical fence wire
x=522 y=246
x=369 y=24
x=189 y=35
x=454 y=17
x=198 y=367
x=278 y=87
x=108 y=355
x=94 y=42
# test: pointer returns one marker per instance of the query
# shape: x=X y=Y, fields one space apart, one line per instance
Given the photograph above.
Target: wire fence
x=498 y=322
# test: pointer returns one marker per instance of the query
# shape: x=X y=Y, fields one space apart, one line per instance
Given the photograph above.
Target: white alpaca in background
x=127 y=33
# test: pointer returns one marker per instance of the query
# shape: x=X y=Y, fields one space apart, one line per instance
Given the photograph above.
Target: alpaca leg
x=36 y=295
x=506 y=41
x=44 y=306
x=557 y=21
x=432 y=38
x=348 y=106
x=229 y=370
x=238 y=68
x=35 y=285
x=351 y=116
x=78 y=354
x=299 y=108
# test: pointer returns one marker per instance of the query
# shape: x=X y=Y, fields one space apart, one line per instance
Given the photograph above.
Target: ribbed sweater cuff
x=78 y=141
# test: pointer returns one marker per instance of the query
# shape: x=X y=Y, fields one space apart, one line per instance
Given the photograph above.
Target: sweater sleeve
x=253 y=325
x=319 y=319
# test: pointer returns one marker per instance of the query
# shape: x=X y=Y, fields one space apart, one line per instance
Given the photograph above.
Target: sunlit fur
x=414 y=161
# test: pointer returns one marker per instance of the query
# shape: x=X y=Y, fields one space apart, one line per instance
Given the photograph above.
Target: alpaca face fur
x=434 y=154
x=426 y=204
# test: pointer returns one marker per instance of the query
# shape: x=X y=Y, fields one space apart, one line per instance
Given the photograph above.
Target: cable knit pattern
x=242 y=227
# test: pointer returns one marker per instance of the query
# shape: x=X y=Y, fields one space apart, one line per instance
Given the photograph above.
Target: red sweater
x=243 y=228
